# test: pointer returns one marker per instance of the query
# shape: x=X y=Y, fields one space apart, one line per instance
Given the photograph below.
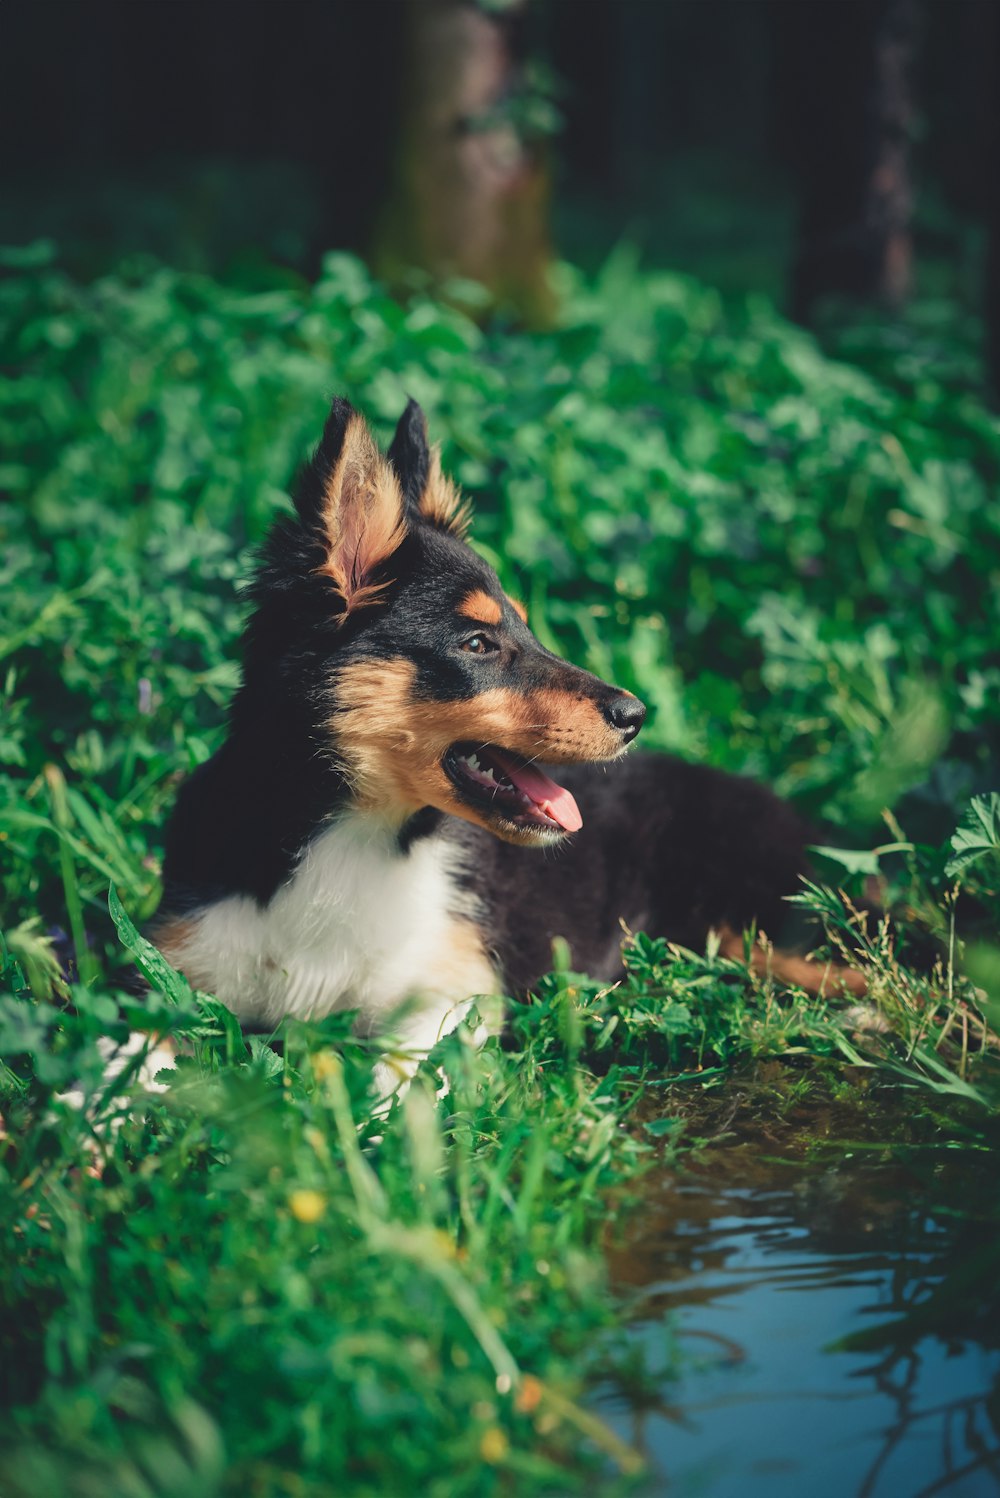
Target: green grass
x=251 y=1285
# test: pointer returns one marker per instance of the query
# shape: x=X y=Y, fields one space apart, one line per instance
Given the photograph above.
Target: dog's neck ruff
x=361 y=923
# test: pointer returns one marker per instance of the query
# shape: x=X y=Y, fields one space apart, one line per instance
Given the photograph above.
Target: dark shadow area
x=737 y=139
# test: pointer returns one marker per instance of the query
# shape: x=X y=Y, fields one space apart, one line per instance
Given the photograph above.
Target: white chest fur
x=357 y=926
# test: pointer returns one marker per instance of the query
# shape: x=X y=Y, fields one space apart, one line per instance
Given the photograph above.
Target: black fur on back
x=671 y=848
x=668 y=847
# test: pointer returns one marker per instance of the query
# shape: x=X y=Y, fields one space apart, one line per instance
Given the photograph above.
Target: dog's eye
x=479 y=645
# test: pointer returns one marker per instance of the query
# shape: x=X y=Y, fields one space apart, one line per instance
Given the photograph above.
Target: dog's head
x=413 y=669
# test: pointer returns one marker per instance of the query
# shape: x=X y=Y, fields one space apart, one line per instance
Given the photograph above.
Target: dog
x=377 y=832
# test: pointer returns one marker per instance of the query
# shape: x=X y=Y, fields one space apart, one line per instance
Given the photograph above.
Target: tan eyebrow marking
x=478 y=605
x=518 y=607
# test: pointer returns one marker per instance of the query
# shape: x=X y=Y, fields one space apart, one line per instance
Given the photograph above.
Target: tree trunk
x=848 y=84
x=991 y=180
x=470 y=193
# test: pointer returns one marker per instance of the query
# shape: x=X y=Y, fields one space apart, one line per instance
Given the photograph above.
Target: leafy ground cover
x=791 y=551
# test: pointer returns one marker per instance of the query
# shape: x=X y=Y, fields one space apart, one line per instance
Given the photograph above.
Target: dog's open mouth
x=503 y=784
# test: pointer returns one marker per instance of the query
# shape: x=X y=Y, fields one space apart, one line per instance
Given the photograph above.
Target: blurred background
x=702 y=298
x=798 y=147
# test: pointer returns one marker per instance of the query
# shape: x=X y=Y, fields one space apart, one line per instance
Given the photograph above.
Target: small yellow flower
x=494 y=1445
x=307 y=1206
x=325 y=1064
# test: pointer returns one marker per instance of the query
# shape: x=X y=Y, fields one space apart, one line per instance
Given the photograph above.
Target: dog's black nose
x=626 y=713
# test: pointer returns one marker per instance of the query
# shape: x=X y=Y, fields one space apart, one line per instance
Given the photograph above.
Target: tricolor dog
x=378 y=833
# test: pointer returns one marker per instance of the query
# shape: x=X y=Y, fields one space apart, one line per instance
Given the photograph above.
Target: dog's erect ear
x=425 y=489
x=351 y=497
x=410 y=455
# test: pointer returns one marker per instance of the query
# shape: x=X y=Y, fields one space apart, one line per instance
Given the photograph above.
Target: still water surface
x=765 y=1266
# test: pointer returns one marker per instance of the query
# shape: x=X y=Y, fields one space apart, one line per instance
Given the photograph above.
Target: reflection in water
x=838 y=1328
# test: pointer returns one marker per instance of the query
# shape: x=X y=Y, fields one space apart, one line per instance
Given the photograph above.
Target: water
x=764 y=1265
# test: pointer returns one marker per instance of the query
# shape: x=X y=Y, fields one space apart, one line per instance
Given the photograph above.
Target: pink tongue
x=553 y=799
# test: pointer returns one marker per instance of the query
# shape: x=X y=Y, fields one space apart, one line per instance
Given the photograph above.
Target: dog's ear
x=410 y=455
x=350 y=496
x=426 y=491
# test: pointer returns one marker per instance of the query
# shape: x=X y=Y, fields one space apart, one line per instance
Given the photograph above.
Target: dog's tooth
x=473 y=761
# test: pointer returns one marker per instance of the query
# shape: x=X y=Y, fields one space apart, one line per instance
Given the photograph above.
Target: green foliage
x=793 y=562
x=978 y=837
x=250 y=1284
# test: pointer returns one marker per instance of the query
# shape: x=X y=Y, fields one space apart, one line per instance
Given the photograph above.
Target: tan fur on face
x=441 y=502
x=361 y=517
x=391 y=743
x=481 y=608
x=518 y=607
